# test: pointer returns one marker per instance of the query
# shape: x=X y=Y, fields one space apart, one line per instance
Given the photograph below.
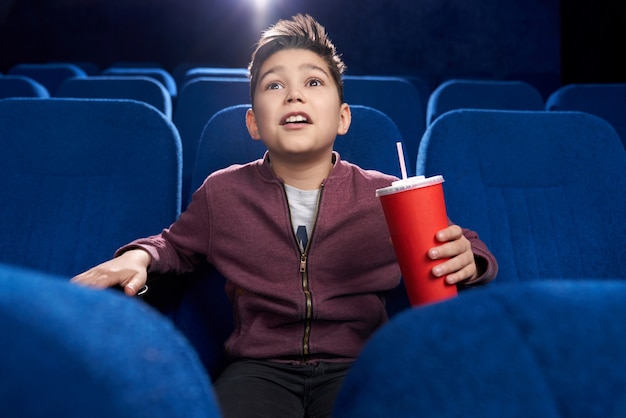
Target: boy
x=299 y=235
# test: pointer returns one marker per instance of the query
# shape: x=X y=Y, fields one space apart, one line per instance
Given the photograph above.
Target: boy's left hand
x=461 y=265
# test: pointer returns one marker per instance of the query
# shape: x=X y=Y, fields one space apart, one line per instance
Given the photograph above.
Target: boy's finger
x=449 y=233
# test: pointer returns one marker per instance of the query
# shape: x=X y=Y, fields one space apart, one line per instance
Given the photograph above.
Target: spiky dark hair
x=300 y=32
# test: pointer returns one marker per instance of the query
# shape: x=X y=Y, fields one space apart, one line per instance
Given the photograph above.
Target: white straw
x=401 y=158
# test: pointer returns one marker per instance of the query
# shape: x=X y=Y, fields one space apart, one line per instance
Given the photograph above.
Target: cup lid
x=414 y=182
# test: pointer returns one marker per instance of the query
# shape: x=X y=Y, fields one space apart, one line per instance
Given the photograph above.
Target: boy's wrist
x=138 y=255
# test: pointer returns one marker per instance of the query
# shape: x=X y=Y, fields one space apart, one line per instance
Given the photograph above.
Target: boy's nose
x=294 y=95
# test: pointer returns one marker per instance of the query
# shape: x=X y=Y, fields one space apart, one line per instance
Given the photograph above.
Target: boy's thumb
x=135 y=288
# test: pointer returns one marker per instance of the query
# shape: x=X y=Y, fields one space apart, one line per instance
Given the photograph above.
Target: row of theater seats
x=541 y=349
x=548 y=349
x=197 y=93
x=79 y=177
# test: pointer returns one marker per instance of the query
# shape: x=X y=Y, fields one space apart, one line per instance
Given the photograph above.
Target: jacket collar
x=340 y=168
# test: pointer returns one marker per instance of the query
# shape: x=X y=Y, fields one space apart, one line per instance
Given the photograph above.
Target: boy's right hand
x=129 y=271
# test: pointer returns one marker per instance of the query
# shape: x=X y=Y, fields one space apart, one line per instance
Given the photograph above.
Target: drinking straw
x=401 y=159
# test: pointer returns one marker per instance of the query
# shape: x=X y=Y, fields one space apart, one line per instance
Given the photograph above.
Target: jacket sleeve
x=486 y=263
x=180 y=247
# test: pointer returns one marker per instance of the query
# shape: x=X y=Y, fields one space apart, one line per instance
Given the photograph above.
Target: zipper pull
x=303 y=263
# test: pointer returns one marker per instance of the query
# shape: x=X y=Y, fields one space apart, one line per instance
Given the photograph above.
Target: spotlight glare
x=261 y=4
x=261 y=13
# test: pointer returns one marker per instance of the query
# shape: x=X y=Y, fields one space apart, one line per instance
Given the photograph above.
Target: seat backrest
x=224 y=141
x=396 y=97
x=114 y=356
x=141 y=88
x=21 y=86
x=197 y=102
x=159 y=74
x=369 y=143
x=544 y=190
x=50 y=75
x=540 y=349
x=81 y=177
x=482 y=94
x=202 y=71
x=607 y=101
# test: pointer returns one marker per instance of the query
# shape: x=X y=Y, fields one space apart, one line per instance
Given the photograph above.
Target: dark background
x=547 y=42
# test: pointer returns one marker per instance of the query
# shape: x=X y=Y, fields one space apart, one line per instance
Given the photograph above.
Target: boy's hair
x=301 y=32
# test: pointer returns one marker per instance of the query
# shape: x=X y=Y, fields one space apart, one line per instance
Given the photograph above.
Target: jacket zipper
x=308 y=298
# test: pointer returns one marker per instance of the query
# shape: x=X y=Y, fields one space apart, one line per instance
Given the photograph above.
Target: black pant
x=253 y=388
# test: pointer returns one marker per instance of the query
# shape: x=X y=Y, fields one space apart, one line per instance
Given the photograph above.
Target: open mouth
x=295 y=119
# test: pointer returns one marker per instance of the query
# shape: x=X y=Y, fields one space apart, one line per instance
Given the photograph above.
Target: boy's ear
x=345 y=118
x=251 y=124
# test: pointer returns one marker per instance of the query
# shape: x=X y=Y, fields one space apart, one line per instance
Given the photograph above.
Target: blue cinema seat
x=544 y=190
x=50 y=75
x=141 y=88
x=81 y=177
x=482 y=94
x=224 y=141
x=159 y=74
x=194 y=72
x=607 y=101
x=197 y=102
x=549 y=349
x=21 y=86
x=69 y=351
x=396 y=97
x=369 y=143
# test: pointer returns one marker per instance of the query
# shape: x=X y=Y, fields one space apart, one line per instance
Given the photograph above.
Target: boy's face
x=297 y=113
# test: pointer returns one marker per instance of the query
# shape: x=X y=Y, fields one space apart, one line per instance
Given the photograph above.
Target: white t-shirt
x=302 y=205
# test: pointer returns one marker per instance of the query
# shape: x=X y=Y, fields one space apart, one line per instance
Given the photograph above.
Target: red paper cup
x=415 y=211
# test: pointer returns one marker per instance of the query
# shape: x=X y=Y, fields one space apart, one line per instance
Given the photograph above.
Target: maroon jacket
x=320 y=304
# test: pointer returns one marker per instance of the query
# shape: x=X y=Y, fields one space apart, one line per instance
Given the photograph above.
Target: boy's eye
x=274 y=86
x=314 y=82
